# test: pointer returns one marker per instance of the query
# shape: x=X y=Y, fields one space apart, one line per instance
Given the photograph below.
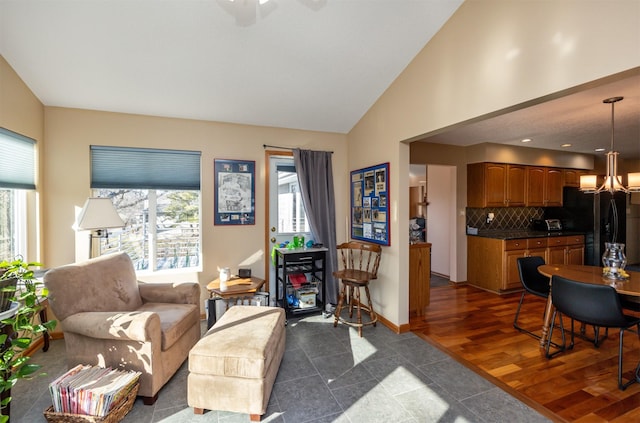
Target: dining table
x=585 y=274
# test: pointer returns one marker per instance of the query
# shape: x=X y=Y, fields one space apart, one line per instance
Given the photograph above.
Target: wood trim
x=403 y=328
x=267 y=236
x=37 y=344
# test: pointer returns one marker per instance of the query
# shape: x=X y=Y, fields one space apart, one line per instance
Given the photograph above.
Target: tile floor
x=328 y=375
x=437 y=280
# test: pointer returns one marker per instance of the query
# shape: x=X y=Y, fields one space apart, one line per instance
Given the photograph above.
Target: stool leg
x=359 y=313
x=339 y=306
x=372 y=314
x=351 y=300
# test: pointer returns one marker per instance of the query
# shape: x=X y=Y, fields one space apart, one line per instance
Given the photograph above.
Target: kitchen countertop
x=521 y=233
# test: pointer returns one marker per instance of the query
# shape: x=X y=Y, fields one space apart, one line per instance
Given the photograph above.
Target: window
x=13 y=231
x=157 y=194
x=291 y=215
x=17 y=163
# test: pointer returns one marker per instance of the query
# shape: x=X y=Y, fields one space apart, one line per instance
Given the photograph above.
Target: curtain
x=315 y=176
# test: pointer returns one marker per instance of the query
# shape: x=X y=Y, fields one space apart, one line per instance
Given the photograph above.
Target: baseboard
x=35 y=345
x=393 y=327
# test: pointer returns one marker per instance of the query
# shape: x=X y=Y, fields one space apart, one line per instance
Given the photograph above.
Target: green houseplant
x=18 y=328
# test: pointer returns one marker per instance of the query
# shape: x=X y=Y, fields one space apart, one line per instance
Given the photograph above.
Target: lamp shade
x=99 y=213
x=634 y=181
x=588 y=182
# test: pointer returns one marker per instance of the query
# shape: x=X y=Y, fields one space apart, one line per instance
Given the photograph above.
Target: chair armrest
x=128 y=325
x=177 y=293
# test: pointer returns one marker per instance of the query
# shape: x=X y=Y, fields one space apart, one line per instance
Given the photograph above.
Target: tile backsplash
x=504 y=217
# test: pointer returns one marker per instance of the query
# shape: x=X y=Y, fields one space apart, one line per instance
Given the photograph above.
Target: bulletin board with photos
x=370 y=204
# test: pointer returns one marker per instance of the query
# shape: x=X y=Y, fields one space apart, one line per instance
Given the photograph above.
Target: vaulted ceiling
x=305 y=64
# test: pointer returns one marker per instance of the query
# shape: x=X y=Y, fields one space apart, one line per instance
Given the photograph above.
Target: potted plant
x=18 y=328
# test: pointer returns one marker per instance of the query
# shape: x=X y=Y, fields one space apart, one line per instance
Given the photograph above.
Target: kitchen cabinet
x=492 y=263
x=575 y=254
x=513 y=185
x=566 y=250
x=556 y=250
x=292 y=294
x=417 y=205
x=514 y=249
x=495 y=185
x=544 y=187
x=419 y=278
x=516 y=178
x=571 y=177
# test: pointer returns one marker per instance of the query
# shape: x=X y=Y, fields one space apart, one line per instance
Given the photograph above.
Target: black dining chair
x=597 y=305
x=537 y=284
x=534 y=283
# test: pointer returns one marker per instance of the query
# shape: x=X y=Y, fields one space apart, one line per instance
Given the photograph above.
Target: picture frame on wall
x=369 y=205
x=234 y=192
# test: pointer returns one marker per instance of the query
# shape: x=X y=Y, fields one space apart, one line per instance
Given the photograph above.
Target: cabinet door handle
x=273 y=240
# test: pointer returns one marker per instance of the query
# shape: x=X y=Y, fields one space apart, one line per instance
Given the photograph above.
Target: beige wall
x=490 y=55
x=70 y=132
x=22 y=112
x=63 y=171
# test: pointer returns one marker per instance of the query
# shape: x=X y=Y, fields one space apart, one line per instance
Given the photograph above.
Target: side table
x=236 y=288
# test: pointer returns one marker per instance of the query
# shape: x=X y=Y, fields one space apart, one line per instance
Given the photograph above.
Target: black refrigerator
x=600 y=216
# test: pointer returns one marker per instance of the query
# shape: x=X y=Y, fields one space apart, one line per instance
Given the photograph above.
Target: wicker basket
x=116 y=414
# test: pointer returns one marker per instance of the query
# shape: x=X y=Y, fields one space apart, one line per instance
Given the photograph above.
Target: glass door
x=287 y=217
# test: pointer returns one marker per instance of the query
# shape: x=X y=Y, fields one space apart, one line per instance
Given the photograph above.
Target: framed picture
x=235 y=193
x=369 y=205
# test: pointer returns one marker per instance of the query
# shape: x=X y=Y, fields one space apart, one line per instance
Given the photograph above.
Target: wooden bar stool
x=359 y=264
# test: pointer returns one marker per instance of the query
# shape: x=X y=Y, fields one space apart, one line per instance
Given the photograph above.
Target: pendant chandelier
x=612 y=182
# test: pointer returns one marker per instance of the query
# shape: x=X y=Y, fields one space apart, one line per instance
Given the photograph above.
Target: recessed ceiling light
x=600 y=149
x=566 y=145
x=526 y=140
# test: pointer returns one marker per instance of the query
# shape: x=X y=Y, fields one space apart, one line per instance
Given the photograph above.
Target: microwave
x=547 y=225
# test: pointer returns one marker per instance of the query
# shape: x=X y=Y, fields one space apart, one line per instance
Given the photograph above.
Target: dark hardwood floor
x=579 y=385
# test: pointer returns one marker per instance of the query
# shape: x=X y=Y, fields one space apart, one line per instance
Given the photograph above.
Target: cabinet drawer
x=515 y=244
x=575 y=240
x=556 y=241
x=536 y=243
x=302 y=257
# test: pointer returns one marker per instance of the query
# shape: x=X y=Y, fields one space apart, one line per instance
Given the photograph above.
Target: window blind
x=17 y=160
x=144 y=168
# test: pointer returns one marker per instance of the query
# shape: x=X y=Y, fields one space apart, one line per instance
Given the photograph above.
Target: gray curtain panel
x=315 y=175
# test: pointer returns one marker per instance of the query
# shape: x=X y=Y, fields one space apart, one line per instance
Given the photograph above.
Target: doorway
x=285 y=214
x=441 y=190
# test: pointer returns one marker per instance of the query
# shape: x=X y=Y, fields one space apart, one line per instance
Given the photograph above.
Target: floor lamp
x=98 y=214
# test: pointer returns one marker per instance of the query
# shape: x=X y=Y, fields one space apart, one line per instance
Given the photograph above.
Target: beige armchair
x=110 y=319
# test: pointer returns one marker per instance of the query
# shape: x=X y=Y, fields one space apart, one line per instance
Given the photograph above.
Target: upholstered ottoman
x=234 y=365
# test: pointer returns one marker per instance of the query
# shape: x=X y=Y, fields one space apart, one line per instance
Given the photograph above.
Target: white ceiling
x=579 y=118
x=304 y=64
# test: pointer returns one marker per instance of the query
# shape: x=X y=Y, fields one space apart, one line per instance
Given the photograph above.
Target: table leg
x=45 y=334
x=211 y=312
x=548 y=313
